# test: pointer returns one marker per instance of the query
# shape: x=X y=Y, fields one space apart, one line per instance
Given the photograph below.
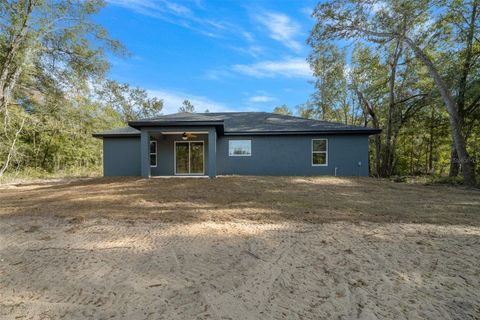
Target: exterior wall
x=292 y=155
x=271 y=155
x=121 y=157
x=165 y=153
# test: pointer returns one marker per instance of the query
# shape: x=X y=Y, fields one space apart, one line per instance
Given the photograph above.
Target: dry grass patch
x=266 y=199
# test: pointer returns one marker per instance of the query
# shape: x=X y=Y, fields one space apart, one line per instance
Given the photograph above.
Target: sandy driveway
x=58 y=268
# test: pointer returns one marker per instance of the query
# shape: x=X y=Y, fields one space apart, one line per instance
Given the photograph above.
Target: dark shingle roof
x=118 y=132
x=180 y=119
x=264 y=122
x=186 y=116
x=244 y=123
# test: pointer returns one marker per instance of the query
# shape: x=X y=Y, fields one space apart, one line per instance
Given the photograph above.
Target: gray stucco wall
x=121 y=157
x=271 y=155
x=292 y=155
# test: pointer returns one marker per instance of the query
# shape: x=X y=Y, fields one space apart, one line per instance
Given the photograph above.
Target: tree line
x=53 y=88
x=410 y=68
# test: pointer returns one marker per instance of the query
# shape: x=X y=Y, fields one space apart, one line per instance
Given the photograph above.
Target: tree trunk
x=465 y=161
x=454 y=165
x=368 y=109
x=462 y=87
x=388 y=152
x=12 y=148
x=8 y=89
x=430 y=142
x=458 y=139
x=392 y=159
x=412 y=139
x=12 y=51
x=378 y=147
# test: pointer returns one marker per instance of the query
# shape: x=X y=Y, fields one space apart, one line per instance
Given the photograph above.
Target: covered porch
x=178 y=151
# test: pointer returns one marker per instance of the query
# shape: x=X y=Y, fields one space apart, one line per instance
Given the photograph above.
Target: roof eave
x=139 y=124
x=115 y=135
x=218 y=124
x=310 y=132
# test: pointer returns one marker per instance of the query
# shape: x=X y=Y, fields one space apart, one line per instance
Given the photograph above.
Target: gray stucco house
x=241 y=143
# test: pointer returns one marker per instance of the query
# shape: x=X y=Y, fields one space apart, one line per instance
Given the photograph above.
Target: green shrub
x=445 y=180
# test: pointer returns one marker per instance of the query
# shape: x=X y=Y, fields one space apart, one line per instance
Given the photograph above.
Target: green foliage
x=131 y=103
x=187 y=106
x=283 y=109
x=331 y=100
x=405 y=53
x=53 y=92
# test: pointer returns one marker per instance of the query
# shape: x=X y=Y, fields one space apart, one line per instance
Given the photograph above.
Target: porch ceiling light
x=184 y=136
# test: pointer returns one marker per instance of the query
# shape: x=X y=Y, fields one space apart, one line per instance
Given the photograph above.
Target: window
x=153 y=153
x=319 y=152
x=240 y=148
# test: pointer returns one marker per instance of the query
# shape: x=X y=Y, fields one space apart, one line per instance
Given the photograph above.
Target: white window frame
x=153 y=153
x=326 y=153
x=240 y=155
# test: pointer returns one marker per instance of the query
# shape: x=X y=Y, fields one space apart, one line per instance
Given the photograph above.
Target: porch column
x=212 y=153
x=145 y=153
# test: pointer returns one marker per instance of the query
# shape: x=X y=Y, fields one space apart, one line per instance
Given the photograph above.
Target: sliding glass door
x=189 y=157
x=181 y=158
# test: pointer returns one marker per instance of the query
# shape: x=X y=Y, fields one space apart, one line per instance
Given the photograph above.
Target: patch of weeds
x=451 y=181
x=430 y=180
x=399 y=179
x=37 y=173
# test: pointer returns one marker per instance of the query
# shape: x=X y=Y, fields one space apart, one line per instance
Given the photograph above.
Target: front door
x=189 y=158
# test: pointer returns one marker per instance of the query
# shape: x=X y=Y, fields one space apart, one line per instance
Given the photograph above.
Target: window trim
x=153 y=153
x=240 y=155
x=325 y=152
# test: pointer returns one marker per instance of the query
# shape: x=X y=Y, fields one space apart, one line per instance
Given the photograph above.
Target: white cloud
x=261 y=99
x=251 y=50
x=177 y=8
x=307 y=11
x=172 y=100
x=282 y=28
x=153 y=7
x=217 y=74
x=247 y=35
x=290 y=68
x=183 y=16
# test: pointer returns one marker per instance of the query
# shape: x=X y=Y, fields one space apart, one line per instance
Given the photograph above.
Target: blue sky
x=221 y=55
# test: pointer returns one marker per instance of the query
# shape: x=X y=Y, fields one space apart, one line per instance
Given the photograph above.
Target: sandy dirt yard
x=238 y=248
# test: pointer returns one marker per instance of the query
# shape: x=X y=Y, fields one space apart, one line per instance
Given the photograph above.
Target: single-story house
x=235 y=143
